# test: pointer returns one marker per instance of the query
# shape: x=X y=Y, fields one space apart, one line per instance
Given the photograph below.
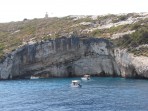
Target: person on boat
x=79 y=85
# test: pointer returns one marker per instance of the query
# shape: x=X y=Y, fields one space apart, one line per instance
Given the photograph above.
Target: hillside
x=125 y=30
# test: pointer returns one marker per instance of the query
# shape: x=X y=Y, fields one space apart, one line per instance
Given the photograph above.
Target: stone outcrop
x=68 y=57
x=62 y=57
x=130 y=65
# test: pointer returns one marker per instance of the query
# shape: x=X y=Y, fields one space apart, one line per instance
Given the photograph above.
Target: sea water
x=55 y=94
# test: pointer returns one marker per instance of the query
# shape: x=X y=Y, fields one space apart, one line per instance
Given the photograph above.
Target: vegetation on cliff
x=136 y=42
x=16 y=34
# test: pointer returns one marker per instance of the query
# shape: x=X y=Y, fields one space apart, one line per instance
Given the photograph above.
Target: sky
x=17 y=10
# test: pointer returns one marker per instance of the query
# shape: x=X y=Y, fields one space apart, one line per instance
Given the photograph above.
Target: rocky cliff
x=131 y=65
x=62 y=57
x=74 y=56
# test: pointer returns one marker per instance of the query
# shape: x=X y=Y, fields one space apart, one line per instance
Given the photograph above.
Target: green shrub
x=1 y=46
x=130 y=41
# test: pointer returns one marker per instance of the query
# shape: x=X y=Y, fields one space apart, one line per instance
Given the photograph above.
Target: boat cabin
x=75 y=83
x=86 y=77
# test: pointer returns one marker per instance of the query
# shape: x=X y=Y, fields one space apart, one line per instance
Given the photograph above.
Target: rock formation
x=68 y=57
x=130 y=65
x=62 y=57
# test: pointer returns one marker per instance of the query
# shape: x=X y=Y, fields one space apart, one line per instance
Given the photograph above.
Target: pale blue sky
x=14 y=10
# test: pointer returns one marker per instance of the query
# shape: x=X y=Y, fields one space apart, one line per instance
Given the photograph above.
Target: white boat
x=86 y=77
x=75 y=83
x=34 y=77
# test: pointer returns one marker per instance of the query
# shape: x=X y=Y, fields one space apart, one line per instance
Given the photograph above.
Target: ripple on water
x=57 y=95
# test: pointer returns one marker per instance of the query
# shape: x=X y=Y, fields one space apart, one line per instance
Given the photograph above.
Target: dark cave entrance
x=70 y=71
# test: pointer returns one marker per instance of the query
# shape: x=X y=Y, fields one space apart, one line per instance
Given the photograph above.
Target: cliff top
x=115 y=27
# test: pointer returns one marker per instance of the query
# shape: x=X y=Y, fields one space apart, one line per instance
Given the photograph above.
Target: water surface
x=98 y=94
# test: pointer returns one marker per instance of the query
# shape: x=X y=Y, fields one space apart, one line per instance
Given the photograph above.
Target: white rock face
x=5 y=69
x=61 y=57
x=66 y=57
x=130 y=65
x=118 y=35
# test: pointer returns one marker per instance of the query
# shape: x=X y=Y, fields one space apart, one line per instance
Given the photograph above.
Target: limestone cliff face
x=67 y=57
x=130 y=65
x=62 y=57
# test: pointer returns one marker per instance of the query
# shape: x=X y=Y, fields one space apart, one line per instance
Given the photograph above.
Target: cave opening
x=70 y=71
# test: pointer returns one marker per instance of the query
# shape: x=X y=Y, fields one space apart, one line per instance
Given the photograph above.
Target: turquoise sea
x=55 y=94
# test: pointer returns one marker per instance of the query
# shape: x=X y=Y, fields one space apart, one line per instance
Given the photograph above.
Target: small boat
x=76 y=83
x=34 y=77
x=86 y=77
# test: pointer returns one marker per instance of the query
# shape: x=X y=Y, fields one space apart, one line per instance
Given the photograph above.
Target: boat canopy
x=75 y=81
x=86 y=75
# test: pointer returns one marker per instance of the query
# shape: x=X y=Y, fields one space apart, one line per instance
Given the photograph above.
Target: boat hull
x=34 y=77
x=83 y=78
x=76 y=86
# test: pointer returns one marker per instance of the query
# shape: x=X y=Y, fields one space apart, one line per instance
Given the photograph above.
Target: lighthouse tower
x=46 y=15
